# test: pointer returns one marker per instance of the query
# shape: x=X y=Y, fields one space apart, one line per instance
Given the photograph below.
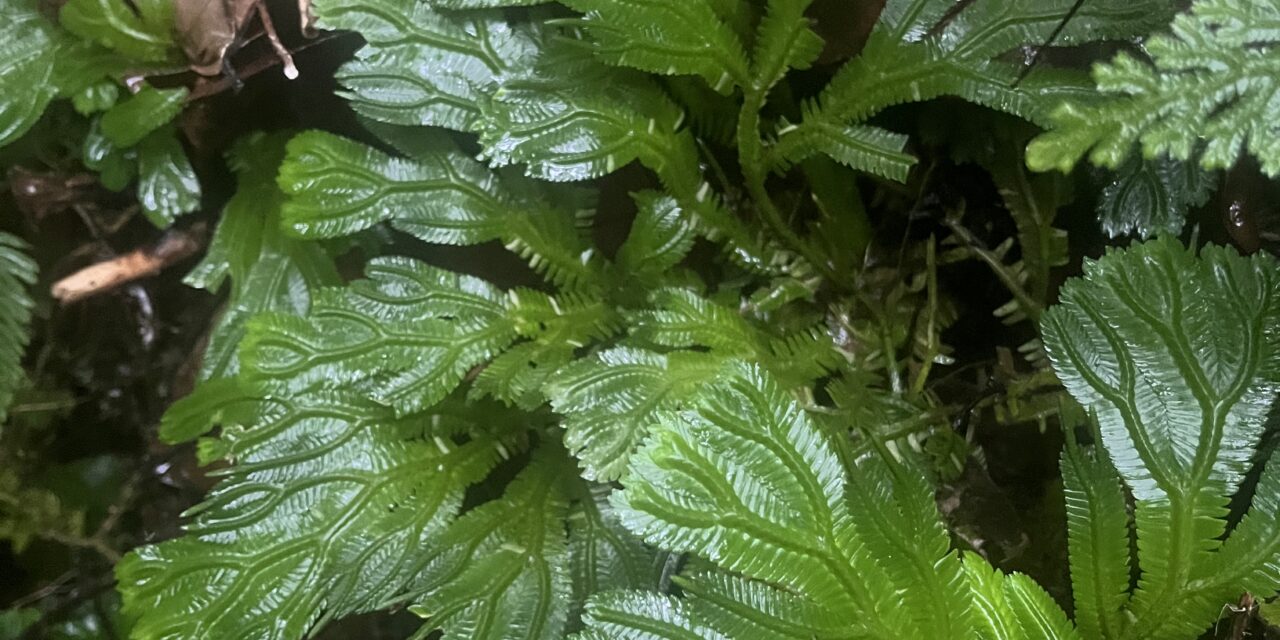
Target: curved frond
x=17 y=274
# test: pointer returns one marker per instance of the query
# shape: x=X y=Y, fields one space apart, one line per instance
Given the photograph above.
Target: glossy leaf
x=268 y=270
x=671 y=37
x=142 y=30
x=1147 y=197
x=127 y=123
x=167 y=185
x=1171 y=350
x=27 y=54
x=1098 y=539
x=328 y=509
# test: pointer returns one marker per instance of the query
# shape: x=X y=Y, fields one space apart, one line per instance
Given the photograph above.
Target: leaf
x=603 y=555
x=746 y=480
x=1171 y=351
x=338 y=187
x=660 y=237
x=116 y=166
x=422 y=67
x=502 y=568
x=669 y=37
x=328 y=509
x=610 y=400
x=17 y=275
x=405 y=337
x=1147 y=197
x=127 y=123
x=784 y=39
x=914 y=54
x=167 y=185
x=146 y=35
x=27 y=54
x=1206 y=95
x=572 y=119
x=870 y=149
x=229 y=400
x=1097 y=542
x=268 y=271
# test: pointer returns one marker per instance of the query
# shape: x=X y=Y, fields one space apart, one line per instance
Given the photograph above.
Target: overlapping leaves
x=1208 y=93
x=1175 y=354
x=17 y=274
x=816 y=548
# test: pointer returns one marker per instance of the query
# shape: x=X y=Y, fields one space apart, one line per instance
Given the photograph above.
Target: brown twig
x=174 y=246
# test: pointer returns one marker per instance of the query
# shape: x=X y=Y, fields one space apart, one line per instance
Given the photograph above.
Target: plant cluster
x=729 y=420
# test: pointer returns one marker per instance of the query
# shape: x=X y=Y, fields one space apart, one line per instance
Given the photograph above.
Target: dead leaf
x=208 y=28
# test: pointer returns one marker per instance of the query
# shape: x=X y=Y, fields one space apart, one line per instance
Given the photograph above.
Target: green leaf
x=328 y=509
x=502 y=569
x=127 y=123
x=914 y=54
x=17 y=275
x=603 y=555
x=610 y=400
x=338 y=187
x=572 y=119
x=784 y=39
x=27 y=54
x=819 y=548
x=116 y=166
x=142 y=29
x=660 y=237
x=1147 y=197
x=669 y=37
x=870 y=149
x=1097 y=541
x=1173 y=353
x=268 y=271
x=167 y=185
x=1207 y=94
x=421 y=67
x=405 y=337
x=225 y=400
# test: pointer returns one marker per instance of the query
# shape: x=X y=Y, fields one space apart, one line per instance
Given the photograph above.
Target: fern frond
x=603 y=555
x=861 y=147
x=745 y=479
x=1149 y=196
x=268 y=271
x=660 y=237
x=142 y=30
x=17 y=274
x=610 y=400
x=422 y=67
x=1207 y=94
x=501 y=572
x=1171 y=351
x=405 y=337
x=328 y=510
x=669 y=37
x=899 y=65
x=1097 y=541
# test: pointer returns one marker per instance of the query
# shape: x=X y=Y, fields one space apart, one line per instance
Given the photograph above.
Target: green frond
x=603 y=555
x=29 y=513
x=17 y=275
x=573 y=119
x=899 y=65
x=1098 y=539
x=501 y=571
x=864 y=148
x=660 y=237
x=422 y=67
x=406 y=337
x=748 y=609
x=27 y=58
x=127 y=123
x=667 y=37
x=681 y=318
x=1013 y=607
x=642 y=615
x=1206 y=95
x=268 y=270
x=1151 y=196
x=230 y=401
x=329 y=508
x=142 y=30
x=609 y=401
x=784 y=40
x=1171 y=351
